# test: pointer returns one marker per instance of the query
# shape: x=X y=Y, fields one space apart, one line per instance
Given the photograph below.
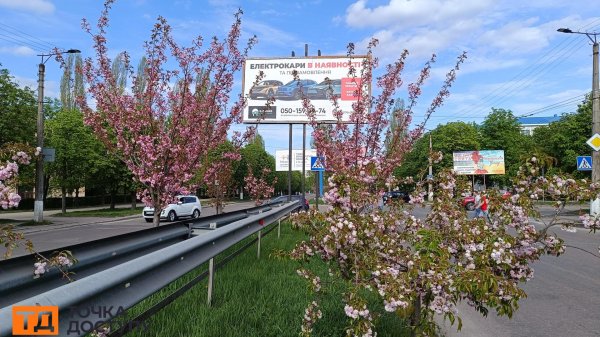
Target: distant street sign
x=48 y=154
x=594 y=142
x=584 y=163
x=317 y=164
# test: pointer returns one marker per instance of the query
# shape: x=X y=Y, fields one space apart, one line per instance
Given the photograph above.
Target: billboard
x=319 y=79
x=281 y=159
x=479 y=162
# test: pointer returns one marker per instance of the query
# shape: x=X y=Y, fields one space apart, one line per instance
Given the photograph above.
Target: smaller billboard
x=281 y=159
x=479 y=162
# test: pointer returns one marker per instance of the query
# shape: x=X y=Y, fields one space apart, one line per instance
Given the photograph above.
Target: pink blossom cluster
x=590 y=222
x=22 y=158
x=311 y=315
x=40 y=269
x=9 y=173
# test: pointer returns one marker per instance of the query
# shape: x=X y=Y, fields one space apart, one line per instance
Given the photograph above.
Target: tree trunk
x=76 y=204
x=112 y=198
x=415 y=318
x=133 y=199
x=63 y=192
x=156 y=220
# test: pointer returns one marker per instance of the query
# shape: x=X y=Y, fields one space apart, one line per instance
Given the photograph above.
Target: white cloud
x=269 y=35
x=408 y=14
x=18 y=50
x=516 y=37
x=36 y=6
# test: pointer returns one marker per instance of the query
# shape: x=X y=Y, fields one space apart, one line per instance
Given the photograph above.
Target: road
x=563 y=298
x=67 y=231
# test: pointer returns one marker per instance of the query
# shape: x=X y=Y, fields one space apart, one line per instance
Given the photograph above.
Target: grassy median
x=255 y=297
x=103 y=212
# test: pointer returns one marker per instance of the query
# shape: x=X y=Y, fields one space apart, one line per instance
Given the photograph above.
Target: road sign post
x=317 y=164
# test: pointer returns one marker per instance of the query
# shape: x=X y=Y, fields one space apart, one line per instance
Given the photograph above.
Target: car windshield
x=293 y=82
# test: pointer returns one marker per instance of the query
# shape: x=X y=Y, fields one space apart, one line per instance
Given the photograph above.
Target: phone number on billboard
x=300 y=111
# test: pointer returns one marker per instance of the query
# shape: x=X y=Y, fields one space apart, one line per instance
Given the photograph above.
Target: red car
x=469 y=203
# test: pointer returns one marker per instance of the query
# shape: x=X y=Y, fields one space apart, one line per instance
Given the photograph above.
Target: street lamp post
x=38 y=206
x=595 y=205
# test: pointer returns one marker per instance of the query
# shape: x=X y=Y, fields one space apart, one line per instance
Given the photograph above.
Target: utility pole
x=595 y=204
x=38 y=205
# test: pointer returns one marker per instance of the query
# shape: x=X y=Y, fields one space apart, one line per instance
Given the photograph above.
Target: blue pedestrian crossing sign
x=584 y=163
x=317 y=164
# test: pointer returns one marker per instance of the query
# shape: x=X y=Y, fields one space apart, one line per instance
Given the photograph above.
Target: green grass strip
x=254 y=297
x=104 y=212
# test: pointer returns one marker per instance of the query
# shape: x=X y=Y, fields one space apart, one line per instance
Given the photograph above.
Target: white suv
x=187 y=205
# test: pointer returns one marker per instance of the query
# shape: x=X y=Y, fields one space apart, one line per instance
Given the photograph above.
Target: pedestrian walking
x=477 y=204
x=484 y=206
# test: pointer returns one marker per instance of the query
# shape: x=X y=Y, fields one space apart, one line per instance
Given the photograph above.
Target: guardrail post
x=279 y=229
x=258 y=252
x=211 y=275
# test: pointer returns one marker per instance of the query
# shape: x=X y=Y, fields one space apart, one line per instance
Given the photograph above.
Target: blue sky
x=516 y=59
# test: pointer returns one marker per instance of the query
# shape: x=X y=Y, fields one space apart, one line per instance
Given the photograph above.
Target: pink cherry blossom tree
x=418 y=268
x=218 y=178
x=164 y=130
x=258 y=187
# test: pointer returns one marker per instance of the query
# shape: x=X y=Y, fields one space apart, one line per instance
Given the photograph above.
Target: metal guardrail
x=126 y=284
x=16 y=274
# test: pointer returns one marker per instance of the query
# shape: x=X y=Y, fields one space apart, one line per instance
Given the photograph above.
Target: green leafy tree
x=18 y=111
x=447 y=138
x=566 y=139
x=74 y=146
x=255 y=157
x=501 y=131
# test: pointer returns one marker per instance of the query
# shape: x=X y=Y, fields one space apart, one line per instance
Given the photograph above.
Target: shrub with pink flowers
x=418 y=268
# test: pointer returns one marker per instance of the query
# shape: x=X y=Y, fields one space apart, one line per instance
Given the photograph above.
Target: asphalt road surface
x=67 y=231
x=563 y=297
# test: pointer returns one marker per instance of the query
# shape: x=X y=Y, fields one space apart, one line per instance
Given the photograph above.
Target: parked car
x=185 y=206
x=284 y=198
x=294 y=89
x=398 y=195
x=265 y=89
x=321 y=90
x=468 y=203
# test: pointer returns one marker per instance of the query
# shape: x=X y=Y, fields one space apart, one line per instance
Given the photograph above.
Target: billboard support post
x=303 y=161
x=290 y=166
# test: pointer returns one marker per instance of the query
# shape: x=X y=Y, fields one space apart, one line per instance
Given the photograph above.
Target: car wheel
x=172 y=216
x=196 y=214
x=148 y=219
x=470 y=206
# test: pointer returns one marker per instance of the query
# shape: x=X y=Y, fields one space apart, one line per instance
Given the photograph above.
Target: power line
x=20 y=43
x=541 y=66
x=26 y=37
